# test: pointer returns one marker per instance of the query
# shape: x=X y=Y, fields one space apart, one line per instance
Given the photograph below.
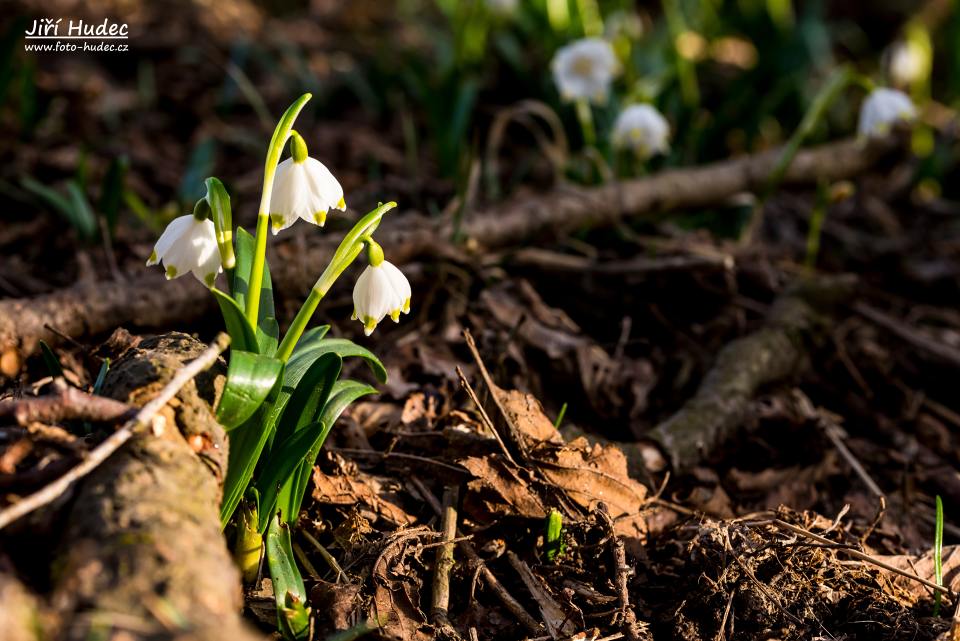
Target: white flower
x=906 y=63
x=882 y=108
x=381 y=290
x=188 y=245
x=502 y=7
x=642 y=129
x=585 y=69
x=304 y=190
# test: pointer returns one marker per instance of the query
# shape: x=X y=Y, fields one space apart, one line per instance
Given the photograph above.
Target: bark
x=773 y=353
x=145 y=301
x=142 y=553
x=20 y=618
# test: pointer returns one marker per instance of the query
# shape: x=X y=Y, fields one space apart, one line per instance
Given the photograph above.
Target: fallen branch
x=100 y=453
x=769 y=355
x=147 y=302
x=65 y=404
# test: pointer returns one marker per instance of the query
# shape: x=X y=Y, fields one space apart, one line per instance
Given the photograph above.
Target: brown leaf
x=922 y=566
x=377 y=494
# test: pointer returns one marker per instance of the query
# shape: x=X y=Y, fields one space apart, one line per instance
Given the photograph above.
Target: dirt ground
x=740 y=445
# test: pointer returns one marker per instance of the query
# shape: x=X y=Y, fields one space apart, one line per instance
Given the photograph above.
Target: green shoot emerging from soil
x=938 y=555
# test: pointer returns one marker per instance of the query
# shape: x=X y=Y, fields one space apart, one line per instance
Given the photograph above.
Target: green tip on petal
x=153 y=258
x=171 y=272
x=395 y=316
x=276 y=222
x=369 y=324
x=342 y=205
x=210 y=278
x=320 y=217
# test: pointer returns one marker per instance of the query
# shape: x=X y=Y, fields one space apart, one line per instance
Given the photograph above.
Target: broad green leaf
x=291 y=495
x=242 y=336
x=296 y=430
x=219 y=201
x=290 y=594
x=283 y=462
x=246 y=445
x=310 y=337
x=268 y=335
x=50 y=360
x=343 y=348
x=111 y=192
x=245 y=245
x=250 y=378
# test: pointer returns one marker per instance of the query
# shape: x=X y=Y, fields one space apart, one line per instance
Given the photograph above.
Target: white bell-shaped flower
x=907 y=63
x=382 y=290
x=304 y=188
x=643 y=130
x=188 y=244
x=882 y=109
x=585 y=69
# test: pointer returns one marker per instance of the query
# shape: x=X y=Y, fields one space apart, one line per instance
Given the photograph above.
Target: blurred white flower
x=643 y=130
x=907 y=63
x=188 y=244
x=584 y=70
x=381 y=290
x=306 y=190
x=503 y=7
x=882 y=108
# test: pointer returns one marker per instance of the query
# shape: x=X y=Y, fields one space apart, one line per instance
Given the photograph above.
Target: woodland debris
x=767 y=356
x=87 y=309
x=134 y=541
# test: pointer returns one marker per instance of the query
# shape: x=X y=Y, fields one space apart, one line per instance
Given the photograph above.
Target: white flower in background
x=188 y=244
x=381 y=290
x=584 y=70
x=643 y=130
x=303 y=188
x=503 y=7
x=882 y=108
x=907 y=63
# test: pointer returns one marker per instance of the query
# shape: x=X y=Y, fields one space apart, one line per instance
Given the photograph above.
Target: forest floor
x=741 y=446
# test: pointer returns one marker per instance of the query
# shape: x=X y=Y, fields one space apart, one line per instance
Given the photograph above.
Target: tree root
x=769 y=355
x=94 y=308
x=142 y=550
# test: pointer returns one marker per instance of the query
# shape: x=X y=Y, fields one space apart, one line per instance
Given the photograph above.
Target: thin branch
x=100 y=453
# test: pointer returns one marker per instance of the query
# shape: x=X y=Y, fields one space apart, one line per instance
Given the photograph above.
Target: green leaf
x=219 y=201
x=343 y=348
x=82 y=211
x=246 y=444
x=290 y=593
x=343 y=394
x=267 y=329
x=101 y=377
x=81 y=218
x=50 y=360
x=297 y=431
x=242 y=336
x=111 y=193
x=310 y=337
x=250 y=378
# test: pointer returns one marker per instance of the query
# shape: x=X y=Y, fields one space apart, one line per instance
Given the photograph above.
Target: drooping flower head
x=643 y=130
x=585 y=69
x=907 y=63
x=303 y=188
x=189 y=244
x=382 y=290
x=882 y=109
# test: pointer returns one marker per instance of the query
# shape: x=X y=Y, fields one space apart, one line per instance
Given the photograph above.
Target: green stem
x=585 y=116
x=279 y=139
x=348 y=250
